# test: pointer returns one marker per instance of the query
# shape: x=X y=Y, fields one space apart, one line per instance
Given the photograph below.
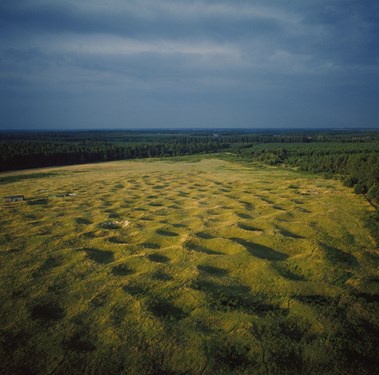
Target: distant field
x=185 y=267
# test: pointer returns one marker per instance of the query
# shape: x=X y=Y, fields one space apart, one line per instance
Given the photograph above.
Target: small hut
x=13 y=198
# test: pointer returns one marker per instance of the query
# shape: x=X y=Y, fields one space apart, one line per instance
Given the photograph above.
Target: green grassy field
x=185 y=267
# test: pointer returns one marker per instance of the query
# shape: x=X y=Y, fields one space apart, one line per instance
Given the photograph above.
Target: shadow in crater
x=200 y=249
x=82 y=221
x=260 y=251
x=99 y=256
x=234 y=297
x=204 y=236
x=151 y=245
x=158 y=258
x=211 y=270
x=284 y=271
x=39 y=202
x=47 y=311
x=287 y=233
x=244 y=216
x=89 y=235
x=167 y=233
x=180 y=225
x=50 y=263
x=80 y=342
x=304 y=210
x=121 y=270
x=232 y=356
x=161 y=276
x=165 y=309
x=117 y=240
x=248 y=206
x=248 y=227
x=315 y=300
x=335 y=255
x=368 y=297
x=264 y=199
x=155 y=204
x=100 y=300
x=134 y=289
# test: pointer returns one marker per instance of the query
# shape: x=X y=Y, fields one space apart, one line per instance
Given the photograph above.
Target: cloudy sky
x=73 y=64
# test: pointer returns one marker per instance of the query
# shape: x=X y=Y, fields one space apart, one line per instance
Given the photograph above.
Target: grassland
x=185 y=267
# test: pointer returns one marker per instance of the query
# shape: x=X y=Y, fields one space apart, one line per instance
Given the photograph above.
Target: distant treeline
x=356 y=163
x=351 y=154
x=21 y=155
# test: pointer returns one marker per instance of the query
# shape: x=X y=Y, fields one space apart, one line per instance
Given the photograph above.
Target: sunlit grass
x=185 y=266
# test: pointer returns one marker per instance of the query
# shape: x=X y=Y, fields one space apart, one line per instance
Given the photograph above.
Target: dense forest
x=351 y=155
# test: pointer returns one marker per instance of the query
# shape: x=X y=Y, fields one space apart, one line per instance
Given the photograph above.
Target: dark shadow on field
x=161 y=276
x=135 y=289
x=248 y=227
x=297 y=201
x=231 y=356
x=38 y=202
x=285 y=271
x=248 y=206
x=211 y=270
x=224 y=190
x=213 y=212
x=80 y=342
x=368 y=297
x=260 y=251
x=335 y=255
x=180 y=225
x=174 y=207
x=117 y=315
x=284 y=333
x=165 y=309
x=234 y=297
x=155 y=204
x=47 y=311
x=204 y=236
x=315 y=299
x=13 y=339
x=50 y=263
x=151 y=245
x=100 y=299
x=140 y=209
x=99 y=256
x=113 y=214
x=158 y=258
x=287 y=233
x=109 y=225
x=10 y=179
x=304 y=210
x=121 y=270
x=264 y=199
x=82 y=221
x=244 y=216
x=89 y=235
x=189 y=245
x=167 y=233
x=116 y=240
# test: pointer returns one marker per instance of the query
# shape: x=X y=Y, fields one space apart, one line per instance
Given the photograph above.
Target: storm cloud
x=160 y=63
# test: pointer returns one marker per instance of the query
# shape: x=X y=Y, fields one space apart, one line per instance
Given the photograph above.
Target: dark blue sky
x=73 y=64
